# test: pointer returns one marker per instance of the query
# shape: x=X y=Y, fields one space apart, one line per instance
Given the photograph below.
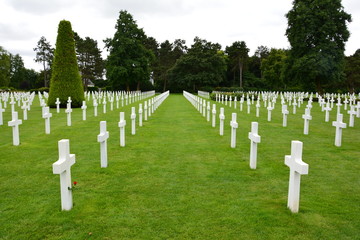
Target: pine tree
x=65 y=80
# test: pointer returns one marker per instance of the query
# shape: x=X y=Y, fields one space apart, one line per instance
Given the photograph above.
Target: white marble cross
x=235 y=101
x=62 y=167
x=95 y=104
x=140 y=115
x=338 y=105
x=284 y=112
x=83 y=107
x=24 y=107
x=57 y=105
x=241 y=104
x=257 y=108
x=145 y=111
x=327 y=109
x=14 y=123
x=234 y=125
x=254 y=140
x=149 y=108
x=230 y=100
x=47 y=115
x=339 y=124
x=104 y=105
x=346 y=102
x=102 y=139
x=248 y=105
x=68 y=111
x=122 y=124
x=69 y=101
x=222 y=118
x=226 y=99
x=297 y=168
x=307 y=117
x=352 y=114
x=294 y=106
x=214 y=115
x=1 y=114
x=133 y=119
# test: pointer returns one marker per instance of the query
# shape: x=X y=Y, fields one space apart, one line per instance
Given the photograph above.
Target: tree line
x=317 y=32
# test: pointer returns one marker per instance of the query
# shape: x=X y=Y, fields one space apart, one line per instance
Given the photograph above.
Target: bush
x=65 y=79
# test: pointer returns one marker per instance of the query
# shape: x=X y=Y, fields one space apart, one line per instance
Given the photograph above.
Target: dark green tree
x=317 y=32
x=65 y=80
x=272 y=67
x=204 y=65
x=17 y=71
x=168 y=54
x=91 y=64
x=352 y=71
x=238 y=55
x=44 y=55
x=129 y=60
x=5 y=65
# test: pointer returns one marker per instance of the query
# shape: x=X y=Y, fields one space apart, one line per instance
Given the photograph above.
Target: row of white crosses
x=66 y=160
x=293 y=161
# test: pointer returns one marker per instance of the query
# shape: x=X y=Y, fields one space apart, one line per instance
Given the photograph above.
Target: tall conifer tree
x=65 y=80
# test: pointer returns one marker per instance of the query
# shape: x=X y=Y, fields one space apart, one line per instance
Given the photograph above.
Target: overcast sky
x=257 y=22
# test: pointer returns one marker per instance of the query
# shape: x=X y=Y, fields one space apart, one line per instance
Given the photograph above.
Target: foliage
x=352 y=71
x=203 y=65
x=65 y=80
x=17 y=71
x=4 y=67
x=317 y=33
x=238 y=55
x=129 y=60
x=90 y=63
x=168 y=54
x=272 y=68
x=44 y=55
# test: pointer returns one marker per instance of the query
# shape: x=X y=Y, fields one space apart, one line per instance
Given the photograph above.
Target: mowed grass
x=178 y=179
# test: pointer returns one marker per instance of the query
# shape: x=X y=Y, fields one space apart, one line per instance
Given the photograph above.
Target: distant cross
x=230 y=100
x=345 y=103
x=307 y=117
x=12 y=103
x=122 y=124
x=104 y=105
x=357 y=109
x=14 y=123
x=234 y=125
x=257 y=108
x=95 y=104
x=102 y=139
x=57 y=105
x=235 y=101
x=47 y=115
x=24 y=107
x=248 y=105
x=297 y=168
x=68 y=111
x=222 y=118
x=352 y=113
x=284 y=112
x=208 y=112
x=83 y=107
x=294 y=106
x=62 y=167
x=204 y=108
x=140 y=115
x=254 y=140
x=327 y=109
x=133 y=119
x=338 y=105
x=214 y=115
x=339 y=125
x=145 y=110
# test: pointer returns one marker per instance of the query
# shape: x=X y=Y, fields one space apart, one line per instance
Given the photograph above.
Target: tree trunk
x=127 y=87
x=138 y=86
x=318 y=85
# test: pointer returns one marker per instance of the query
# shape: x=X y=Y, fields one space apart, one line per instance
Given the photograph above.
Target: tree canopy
x=129 y=60
x=317 y=32
x=65 y=80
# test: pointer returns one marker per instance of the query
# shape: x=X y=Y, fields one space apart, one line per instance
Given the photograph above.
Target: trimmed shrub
x=65 y=79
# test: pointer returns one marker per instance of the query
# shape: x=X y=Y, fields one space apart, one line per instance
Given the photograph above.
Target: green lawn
x=178 y=179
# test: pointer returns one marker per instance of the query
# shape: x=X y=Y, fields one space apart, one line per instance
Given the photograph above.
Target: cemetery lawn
x=178 y=179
